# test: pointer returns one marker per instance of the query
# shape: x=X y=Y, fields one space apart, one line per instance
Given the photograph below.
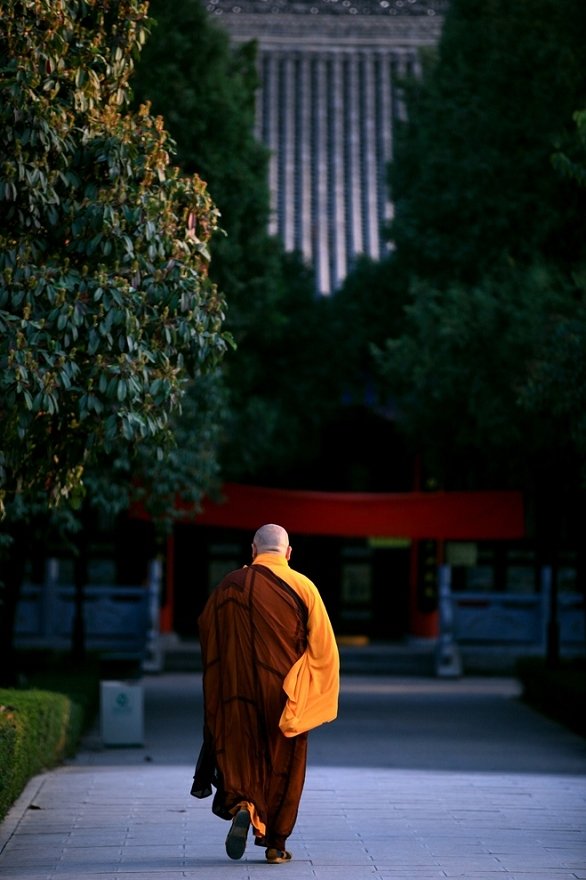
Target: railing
x=510 y=619
x=118 y=620
x=515 y=620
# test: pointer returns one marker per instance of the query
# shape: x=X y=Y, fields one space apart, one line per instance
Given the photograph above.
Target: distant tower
x=326 y=110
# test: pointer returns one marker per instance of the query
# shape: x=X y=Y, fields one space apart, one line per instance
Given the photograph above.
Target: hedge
x=37 y=730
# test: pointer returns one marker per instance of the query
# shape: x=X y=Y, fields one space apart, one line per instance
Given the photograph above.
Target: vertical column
x=320 y=182
x=305 y=101
x=270 y=130
x=287 y=153
x=353 y=157
x=400 y=69
x=416 y=67
x=337 y=159
x=448 y=663
x=369 y=158
x=153 y=654
x=384 y=135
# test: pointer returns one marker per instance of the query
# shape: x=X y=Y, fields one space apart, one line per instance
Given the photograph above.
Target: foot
x=276 y=856
x=236 y=839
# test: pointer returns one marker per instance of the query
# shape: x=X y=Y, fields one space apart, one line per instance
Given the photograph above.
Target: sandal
x=276 y=856
x=236 y=839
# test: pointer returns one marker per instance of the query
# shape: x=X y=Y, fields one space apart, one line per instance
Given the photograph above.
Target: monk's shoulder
x=304 y=585
x=233 y=580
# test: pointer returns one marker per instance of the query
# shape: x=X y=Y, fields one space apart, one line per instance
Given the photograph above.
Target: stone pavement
x=418 y=779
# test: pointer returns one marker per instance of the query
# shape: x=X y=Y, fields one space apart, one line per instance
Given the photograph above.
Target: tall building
x=327 y=107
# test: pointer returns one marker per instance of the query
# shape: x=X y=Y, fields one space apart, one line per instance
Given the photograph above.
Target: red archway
x=416 y=515
x=439 y=516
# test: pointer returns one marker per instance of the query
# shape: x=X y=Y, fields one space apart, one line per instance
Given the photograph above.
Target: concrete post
x=448 y=663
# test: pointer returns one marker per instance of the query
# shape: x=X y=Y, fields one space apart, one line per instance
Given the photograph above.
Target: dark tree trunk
x=11 y=578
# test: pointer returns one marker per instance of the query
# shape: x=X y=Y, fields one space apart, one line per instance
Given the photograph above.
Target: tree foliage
x=291 y=385
x=368 y=309
x=205 y=88
x=493 y=236
x=466 y=365
x=558 y=384
x=106 y=305
x=472 y=179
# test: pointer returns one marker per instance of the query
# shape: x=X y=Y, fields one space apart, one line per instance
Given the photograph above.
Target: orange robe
x=271 y=673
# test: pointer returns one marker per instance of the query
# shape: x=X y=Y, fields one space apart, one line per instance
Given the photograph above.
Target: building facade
x=328 y=103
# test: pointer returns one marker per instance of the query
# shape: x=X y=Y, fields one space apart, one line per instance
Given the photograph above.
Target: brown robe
x=252 y=631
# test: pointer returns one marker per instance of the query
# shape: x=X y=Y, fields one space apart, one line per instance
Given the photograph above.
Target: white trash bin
x=121 y=713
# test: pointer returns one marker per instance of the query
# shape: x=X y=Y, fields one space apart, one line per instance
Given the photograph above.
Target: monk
x=271 y=673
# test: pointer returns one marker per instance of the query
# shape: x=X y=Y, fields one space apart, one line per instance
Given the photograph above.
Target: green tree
x=106 y=305
x=289 y=377
x=489 y=372
x=475 y=197
x=472 y=179
x=464 y=366
x=492 y=236
x=205 y=88
x=557 y=385
x=107 y=309
x=367 y=310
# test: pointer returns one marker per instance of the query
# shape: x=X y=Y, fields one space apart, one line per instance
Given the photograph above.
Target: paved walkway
x=418 y=779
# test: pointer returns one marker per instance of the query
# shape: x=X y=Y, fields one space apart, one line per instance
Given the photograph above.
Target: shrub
x=37 y=730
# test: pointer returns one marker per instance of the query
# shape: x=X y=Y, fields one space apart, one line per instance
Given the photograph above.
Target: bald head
x=271 y=539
